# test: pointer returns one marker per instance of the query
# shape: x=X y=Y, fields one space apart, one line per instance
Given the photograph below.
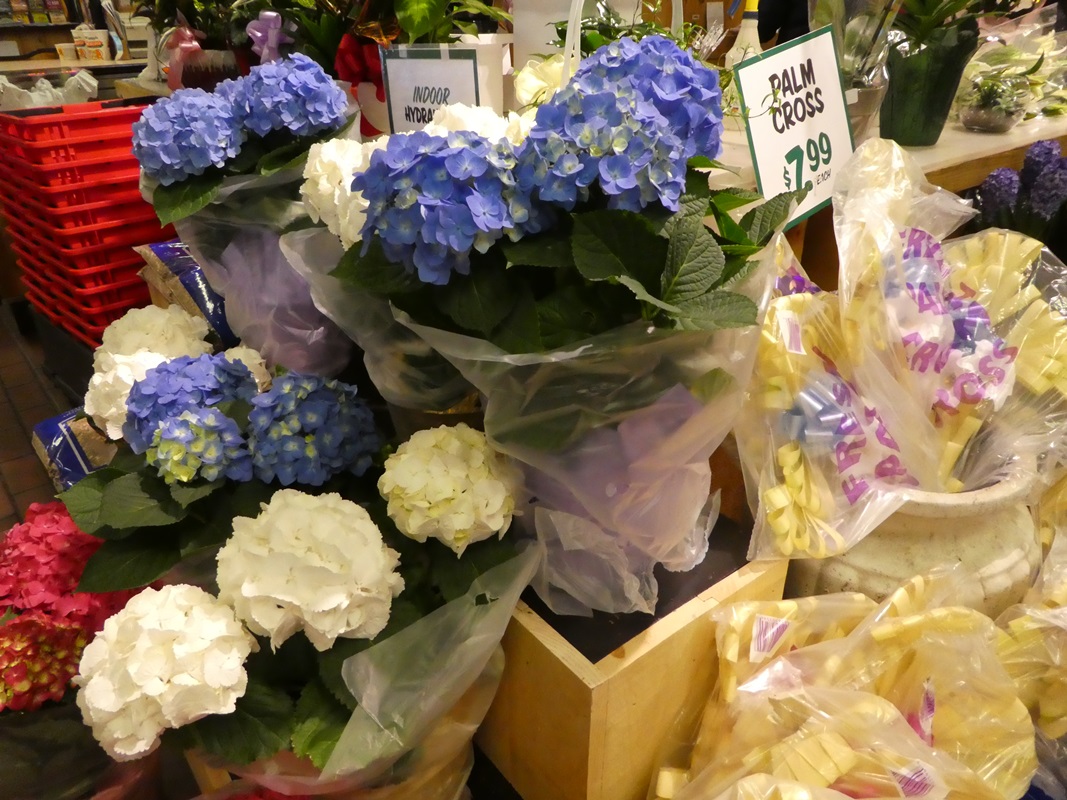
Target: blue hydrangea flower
x=999 y=191
x=434 y=199
x=186 y=134
x=1039 y=157
x=200 y=443
x=182 y=384
x=1049 y=191
x=629 y=120
x=293 y=94
x=306 y=430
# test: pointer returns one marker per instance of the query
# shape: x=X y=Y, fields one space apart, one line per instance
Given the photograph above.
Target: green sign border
x=427 y=52
x=826 y=30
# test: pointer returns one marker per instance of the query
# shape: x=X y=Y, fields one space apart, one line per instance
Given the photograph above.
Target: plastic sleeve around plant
x=614 y=435
x=404 y=369
x=235 y=239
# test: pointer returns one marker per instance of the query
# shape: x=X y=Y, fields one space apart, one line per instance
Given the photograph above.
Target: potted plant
x=994 y=103
x=929 y=47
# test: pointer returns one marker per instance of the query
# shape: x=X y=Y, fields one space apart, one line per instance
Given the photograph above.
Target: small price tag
x=419 y=79
x=797 y=118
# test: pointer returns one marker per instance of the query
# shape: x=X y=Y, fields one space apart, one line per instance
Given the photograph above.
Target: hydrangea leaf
x=185 y=494
x=85 y=499
x=183 y=199
x=737 y=269
x=734 y=197
x=760 y=223
x=730 y=232
x=711 y=384
x=138 y=500
x=319 y=722
x=373 y=272
x=260 y=727
x=552 y=249
x=607 y=244
x=715 y=311
x=419 y=17
x=694 y=261
x=479 y=302
x=130 y=563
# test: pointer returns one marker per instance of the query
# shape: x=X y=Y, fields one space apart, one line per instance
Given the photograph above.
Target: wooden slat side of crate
x=656 y=686
x=563 y=728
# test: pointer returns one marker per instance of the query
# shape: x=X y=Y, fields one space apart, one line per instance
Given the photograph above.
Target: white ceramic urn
x=990 y=531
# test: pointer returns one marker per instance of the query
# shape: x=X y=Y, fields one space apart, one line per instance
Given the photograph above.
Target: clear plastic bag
x=767 y=787
x=235 y=239
x=614 y=434
x=818 y=460
x=925 y=351
x=850 y=741
x=404 y=369
x=421 y=695
x=1034 y=652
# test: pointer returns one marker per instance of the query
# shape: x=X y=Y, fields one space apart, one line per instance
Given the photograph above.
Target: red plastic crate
x=81 y=258
x=104 y=119
x=89 y=279
x=90 y=335
x=80 y=216
x=76 y=194
x=84 y=300
x=66 y=150
x=70 y=241
x=113 y=170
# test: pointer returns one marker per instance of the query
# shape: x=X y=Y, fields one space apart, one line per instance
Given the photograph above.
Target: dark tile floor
x=27 y=396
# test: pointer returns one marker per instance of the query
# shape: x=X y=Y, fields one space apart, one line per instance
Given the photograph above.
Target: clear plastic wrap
x=925 y=351
x=235 y=239
x=421 y=695
x=818 y=459
x=852 y=742
x=404 y=369
x=767 y=787
x=1034 y=652
x=614 y=435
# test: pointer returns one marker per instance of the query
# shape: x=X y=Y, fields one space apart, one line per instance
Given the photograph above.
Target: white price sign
x=419 y=79
x=797 y=118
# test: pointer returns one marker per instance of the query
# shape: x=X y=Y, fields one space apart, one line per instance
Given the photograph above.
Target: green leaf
x=374 y=272
x=419 y=17
x=552 y=249
x=648 y=299
x=730 y=231
x=319 y=721
x=760 y=223
x=729 y=199
x=741 y=249
x=520 y=332
x=696 y=184
x=212 y=523
x=280 y=157
x=481 y=9
x=711 y=384
x=186 y=494
x=454 y=575
x=260 y=727
x=609 y=244
x=715 y=311
x=185 y=198
x=573 y=313
x=737 y=269
x=694 y=261
x=479 y=301
x=130 y=563
x=237 y=410
x=138 y=500
x=85 y=499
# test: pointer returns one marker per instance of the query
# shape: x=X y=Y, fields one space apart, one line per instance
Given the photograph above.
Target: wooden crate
x=563 y=727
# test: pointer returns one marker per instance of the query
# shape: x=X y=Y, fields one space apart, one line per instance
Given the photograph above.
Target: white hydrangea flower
x=538 y=81
x=327 y=188
x=170 y=657
x=255 y=363
x=449 y=484
x=105 y=399
x=316 y=564
x=480 y=120
x=170 y=331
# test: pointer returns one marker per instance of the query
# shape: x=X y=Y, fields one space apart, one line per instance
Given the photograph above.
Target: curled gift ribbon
x=268 y=35
x=183 y=42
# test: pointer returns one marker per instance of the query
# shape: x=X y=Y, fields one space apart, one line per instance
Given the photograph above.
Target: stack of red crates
x=74 y=212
